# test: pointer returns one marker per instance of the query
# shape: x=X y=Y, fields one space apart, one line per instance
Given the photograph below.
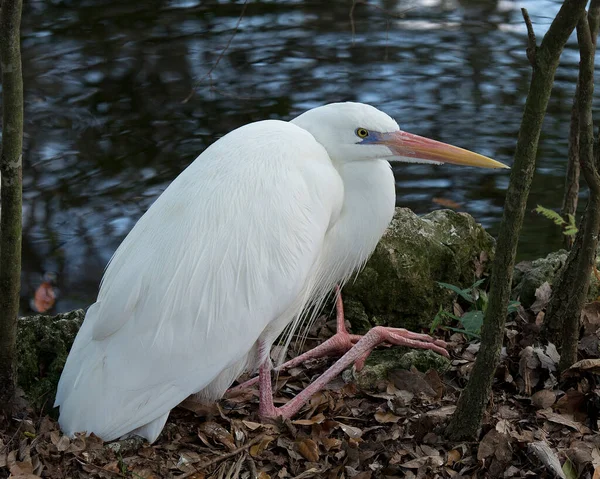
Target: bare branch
x=531 y=41
x=221 y=55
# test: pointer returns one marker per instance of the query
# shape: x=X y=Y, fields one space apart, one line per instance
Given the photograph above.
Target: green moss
x=43 y=343
x=382 y=362
x=424 y=360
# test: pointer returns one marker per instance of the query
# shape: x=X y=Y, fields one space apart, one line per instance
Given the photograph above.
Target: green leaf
x=472 y=321
x=569 y=470
x=513 y=306
x=438 y=320
x=463 y=293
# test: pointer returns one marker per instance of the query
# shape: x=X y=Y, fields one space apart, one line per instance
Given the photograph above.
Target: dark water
x=121 y=96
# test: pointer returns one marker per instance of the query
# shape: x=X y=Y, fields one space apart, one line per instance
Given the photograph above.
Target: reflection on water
x=108 y=125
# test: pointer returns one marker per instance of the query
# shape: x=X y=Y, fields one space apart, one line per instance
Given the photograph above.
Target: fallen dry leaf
x=218 y=433
x=588 y=365
x=548 y=457
x=385 y=417
x=542 y=297
x=433 y=461
x=308 y=449
x=590 y=317
x=316 y=419
x=543 y=399
x=495 y=444
x=351 y=431
x=257 y=449
x=565 y=420
x=412 y=381
x=446 y=202
x=453 y=456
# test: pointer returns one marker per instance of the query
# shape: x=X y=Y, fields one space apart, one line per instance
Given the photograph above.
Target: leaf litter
x=537 y=425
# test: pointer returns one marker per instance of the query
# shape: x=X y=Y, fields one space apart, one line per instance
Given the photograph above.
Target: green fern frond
x=551 y=215
x=569 y=227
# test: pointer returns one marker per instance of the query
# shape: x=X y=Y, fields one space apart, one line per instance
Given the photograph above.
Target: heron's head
x=358 y=132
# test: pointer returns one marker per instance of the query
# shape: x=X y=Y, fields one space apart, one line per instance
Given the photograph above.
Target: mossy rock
x=398 y=286
x=530 y=275
x=43 y=343
x=381 y=362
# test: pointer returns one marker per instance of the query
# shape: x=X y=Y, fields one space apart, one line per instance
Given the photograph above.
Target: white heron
x=262 y=225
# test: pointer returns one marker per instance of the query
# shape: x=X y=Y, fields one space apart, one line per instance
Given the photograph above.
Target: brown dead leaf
x=253 y=426
x=589 y=365
x=316 y=419
x=309 y=449
x=412 y=381
x=436 y=383
x=480 y=264
x=563 y=419
x=217 y=433
x=431 y=461
x=590 y=317
x=495 y=444
x=542 y=297
x=528 y=369
x=453 y=457
x=61 y=442
x=441 y=413
x=257 y=449
x=331 y=443
x=385 y=417
x=446 y=202
x=543 y=399
x=21 y=468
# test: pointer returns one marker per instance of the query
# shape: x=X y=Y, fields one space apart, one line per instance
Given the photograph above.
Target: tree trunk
x=466 y=421
x=11 y=174
x=569 y=206
x=580 y=282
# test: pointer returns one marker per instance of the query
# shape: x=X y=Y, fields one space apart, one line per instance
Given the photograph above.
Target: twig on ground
x=215 y=460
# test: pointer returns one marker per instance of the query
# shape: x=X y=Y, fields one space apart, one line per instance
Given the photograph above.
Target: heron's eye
x=362 y=133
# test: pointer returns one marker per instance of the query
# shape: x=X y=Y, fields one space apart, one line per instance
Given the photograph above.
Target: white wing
x=221 y=254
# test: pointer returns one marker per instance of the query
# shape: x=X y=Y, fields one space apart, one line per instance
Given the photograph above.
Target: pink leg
x=357 y=353
x=342 y=341
x=337 y=345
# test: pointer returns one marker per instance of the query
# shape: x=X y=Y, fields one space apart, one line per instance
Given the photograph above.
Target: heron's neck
x=369 y=200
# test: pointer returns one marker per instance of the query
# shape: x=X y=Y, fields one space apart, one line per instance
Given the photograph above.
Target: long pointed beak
x=416 y=147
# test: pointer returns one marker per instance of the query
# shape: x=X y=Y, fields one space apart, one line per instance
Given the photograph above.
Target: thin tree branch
x=221 y=55
x=531 y=40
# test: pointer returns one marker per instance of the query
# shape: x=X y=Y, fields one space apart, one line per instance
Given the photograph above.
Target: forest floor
x=536 y=425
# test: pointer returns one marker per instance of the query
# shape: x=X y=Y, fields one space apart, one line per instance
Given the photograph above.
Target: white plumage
x=268 y=219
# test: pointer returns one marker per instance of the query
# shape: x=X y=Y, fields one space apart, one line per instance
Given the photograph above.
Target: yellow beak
x=415 y=147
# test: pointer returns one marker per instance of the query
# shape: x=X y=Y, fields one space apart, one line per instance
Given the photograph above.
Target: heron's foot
x=356 y=355
x=342 y=342
x=337 y=345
